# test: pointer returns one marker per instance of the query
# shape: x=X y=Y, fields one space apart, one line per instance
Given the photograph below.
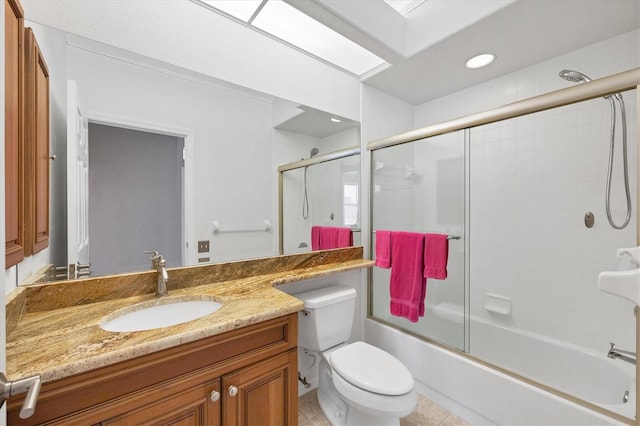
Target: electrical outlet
x=203 y=246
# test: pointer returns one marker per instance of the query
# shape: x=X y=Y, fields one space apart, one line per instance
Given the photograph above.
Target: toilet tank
x=327 y=317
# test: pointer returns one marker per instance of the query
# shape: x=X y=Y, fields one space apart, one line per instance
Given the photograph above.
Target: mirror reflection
x=178 y=162
x=325 y=194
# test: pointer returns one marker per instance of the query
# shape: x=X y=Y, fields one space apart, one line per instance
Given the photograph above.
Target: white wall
x=232 y=143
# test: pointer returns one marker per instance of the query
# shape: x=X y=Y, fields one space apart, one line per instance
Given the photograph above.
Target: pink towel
x=408 y=286
x=330 y=237
x=383 y=249
x=345 y=237
x=436 y=254
x=315 y=238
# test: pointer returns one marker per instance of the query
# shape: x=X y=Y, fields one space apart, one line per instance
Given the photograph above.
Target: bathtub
x=577 y=371
x=486 y=396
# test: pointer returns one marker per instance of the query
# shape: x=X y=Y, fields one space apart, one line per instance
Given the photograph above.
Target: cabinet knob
x=233 y=391
x=215 y=396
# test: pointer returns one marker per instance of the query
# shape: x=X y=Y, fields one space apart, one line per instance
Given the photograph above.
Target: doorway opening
x=136 y=198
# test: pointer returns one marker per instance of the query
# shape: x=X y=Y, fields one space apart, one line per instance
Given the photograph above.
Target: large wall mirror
x=175 y=159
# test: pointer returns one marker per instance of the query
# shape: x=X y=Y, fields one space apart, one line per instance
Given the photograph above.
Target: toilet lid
x=372 y=369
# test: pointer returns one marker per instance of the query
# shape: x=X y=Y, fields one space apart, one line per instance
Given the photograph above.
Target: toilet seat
x=371 y=369
x=381 y=406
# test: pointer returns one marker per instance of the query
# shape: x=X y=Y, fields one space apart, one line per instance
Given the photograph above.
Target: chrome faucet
x=627 y=356
x=159 y=264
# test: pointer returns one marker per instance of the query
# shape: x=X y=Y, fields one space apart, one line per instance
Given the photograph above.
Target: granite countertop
x=54 y=329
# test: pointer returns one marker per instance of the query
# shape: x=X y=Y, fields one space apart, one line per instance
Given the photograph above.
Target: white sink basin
x=158 y=313
x=624 y=282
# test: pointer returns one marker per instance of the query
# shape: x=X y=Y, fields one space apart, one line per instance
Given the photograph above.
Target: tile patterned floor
x=427 y=413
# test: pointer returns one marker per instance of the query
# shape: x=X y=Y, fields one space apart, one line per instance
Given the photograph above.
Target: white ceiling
x=427 y=48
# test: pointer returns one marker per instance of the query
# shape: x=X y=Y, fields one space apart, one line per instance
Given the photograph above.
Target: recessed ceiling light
x=336 y=120
x=480 y=61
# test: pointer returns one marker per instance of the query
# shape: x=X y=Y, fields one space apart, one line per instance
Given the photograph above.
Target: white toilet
x=359 y=384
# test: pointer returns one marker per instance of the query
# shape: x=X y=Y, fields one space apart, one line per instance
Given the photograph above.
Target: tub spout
x=627 y=356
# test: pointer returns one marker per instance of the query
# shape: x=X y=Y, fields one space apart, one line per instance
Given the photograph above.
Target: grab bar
x=265 y=227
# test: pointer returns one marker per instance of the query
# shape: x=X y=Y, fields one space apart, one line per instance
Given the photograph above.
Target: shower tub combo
x=514 y=182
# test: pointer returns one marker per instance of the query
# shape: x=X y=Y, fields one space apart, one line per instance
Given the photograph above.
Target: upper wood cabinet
x=36 y=143
x=26 y=89
x=13 y=136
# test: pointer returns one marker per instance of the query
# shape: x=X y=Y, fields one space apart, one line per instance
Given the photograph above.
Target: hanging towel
x=383 y=249
x=408 y=285
x=328 y=237
x=436 y=255
x=315 y=238
x=345 y=237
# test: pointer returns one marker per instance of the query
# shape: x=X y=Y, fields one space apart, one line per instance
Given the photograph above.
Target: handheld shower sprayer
x=578 y=77
x=305 y=201
x=574 y=76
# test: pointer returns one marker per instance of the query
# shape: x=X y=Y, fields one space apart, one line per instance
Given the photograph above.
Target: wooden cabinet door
x=36 y=147
x=192 y=407
x=13 y=134
x=264 y=393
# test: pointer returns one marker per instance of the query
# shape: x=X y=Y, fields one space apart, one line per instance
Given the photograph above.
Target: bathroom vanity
x=237 y=365
x=245 y=376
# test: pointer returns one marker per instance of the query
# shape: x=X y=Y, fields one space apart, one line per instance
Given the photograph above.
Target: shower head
x=574 y=76
x=314 y=152
x=578 y=77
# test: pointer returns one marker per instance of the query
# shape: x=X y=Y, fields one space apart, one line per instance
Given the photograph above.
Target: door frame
x=189 y=251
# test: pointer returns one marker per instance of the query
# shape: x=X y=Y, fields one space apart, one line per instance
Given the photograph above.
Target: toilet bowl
x=374 y=387
x=359 y=384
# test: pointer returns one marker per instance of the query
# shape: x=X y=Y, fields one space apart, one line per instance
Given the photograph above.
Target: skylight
x=288 y=24
x=403 y=7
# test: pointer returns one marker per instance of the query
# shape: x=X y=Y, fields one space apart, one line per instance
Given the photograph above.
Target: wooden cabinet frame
x=36 y=147
x=14 y=132
x=26 y=140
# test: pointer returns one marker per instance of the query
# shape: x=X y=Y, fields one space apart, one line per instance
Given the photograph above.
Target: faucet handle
x=154 y=254
x=156 y=259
